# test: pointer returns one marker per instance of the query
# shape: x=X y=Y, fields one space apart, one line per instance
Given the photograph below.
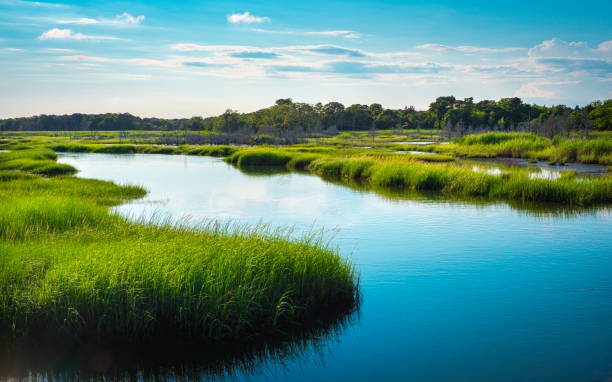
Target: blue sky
x=186 y=58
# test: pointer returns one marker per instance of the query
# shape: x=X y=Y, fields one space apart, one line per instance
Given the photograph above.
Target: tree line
x=287 y=117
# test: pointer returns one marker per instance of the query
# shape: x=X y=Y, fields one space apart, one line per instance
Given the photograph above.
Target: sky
x=198 y=58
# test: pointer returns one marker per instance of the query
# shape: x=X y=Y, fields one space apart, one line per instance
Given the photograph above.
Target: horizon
x=179 y=60
x=266 y=107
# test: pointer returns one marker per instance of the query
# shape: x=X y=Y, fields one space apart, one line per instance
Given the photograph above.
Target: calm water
x=452 y=291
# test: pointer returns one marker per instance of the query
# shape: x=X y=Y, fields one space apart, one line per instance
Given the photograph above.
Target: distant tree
x=601 y=115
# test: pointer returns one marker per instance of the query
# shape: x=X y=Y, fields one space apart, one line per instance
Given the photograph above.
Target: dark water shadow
x=172 y=361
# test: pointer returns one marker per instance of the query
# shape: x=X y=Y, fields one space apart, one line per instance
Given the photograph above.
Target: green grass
x=422 y=172
x=73 y=273
x=36 y=161
x=464 y=182
x=260 y=157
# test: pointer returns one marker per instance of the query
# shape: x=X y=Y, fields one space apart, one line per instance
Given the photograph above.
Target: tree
x=440 y=106
x=284 y=101
x=601 y=115
x=375 y=110
x=387 y=119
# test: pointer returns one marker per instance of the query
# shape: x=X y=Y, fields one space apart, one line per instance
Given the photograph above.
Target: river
x=452 y=291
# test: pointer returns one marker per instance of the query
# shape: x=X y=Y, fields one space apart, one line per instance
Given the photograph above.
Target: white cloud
x=572 y=57
x=81 y=21
x=188 y=47
x=67 y=34
x=329 y=33
x=84 y=58
x=465 y=48
x=129 y=19
x=556 y=48
x=605 y=46
x=152 y=62
x=13 y=49
x=246 y=17
x=35 y=3
x=536 y=89
x=58 y=50
x=119 y=20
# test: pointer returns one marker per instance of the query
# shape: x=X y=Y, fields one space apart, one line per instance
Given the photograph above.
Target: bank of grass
x=37 y=161
x=207 y=150
x=72 y=273
x=456 y=181
x=405 y=172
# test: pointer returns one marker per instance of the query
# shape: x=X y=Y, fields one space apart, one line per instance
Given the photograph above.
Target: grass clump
x=260 y=157
x=148 y=284
x=214 y=151
x=34 y=161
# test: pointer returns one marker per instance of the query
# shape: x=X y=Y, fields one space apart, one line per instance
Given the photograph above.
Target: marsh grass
x=526 y=145
x=73 y=273
x=35 y=161
x=515 y=185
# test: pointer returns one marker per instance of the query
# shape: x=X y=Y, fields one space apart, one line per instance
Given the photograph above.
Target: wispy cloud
x=189 y=47
x=465 y=48
x=153 y=62
x=67 y=34
x=81 y=21
x=33 y=3
x=577 y=49
x=83 y=59
x=560 y=56
x=329 y=33
x=119 y=20
x=246 y=18
x=126 y=18
x=58 y=50
x=13 y=49
x=538 y=89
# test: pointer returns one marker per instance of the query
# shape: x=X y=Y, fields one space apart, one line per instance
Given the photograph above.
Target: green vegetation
x=41 y=161
x=464 y=182
x=411 y=173
x=431 y=167
x=288 y=122
x=524 y=145
x=73 y=273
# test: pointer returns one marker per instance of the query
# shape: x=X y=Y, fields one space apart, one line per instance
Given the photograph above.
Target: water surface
x=452 y=291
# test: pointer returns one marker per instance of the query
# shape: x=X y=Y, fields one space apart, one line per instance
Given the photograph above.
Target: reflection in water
x=578 y=168
x=171 y=361
x=529 y=209
x=389 y=193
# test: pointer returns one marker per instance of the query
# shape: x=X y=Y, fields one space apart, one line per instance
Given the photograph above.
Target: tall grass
x=531 y=146
x=412 y=172
x=72 y=273
x=35 y=161
x=457 y=181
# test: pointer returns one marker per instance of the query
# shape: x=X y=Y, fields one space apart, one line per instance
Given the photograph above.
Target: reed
x=455 y=181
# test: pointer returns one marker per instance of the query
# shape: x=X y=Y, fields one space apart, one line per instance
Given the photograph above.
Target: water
x=452 y=291
x=578 y=168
